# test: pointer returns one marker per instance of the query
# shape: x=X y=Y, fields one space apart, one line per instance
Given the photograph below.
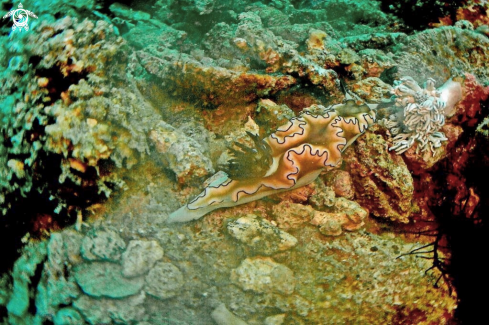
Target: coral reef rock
x=383 y=183
x=102 y=245
x=442 y=53
x=105 y=279
x=258 y=117
x=164 y=281
x=262 y=274
x=260 y=235
x=140 y=256
x=347 y=215
x=181 y=154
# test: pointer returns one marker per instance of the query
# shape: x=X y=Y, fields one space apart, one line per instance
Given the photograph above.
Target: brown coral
x=383 y=183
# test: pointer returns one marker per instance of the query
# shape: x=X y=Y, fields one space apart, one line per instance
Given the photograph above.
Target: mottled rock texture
x=102 y=245
x=260 y=235
x=140 y=256
x=146 y=97
x=383 y=183
x=442 y=53
x=105 y=279
x=262 y=274
x=164 y=281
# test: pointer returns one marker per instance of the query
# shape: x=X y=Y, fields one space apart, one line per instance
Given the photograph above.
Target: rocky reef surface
x=114 y=115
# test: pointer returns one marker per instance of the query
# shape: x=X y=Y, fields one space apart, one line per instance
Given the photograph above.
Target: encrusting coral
x=298 y=152
x=65 y=118
x=423 y=114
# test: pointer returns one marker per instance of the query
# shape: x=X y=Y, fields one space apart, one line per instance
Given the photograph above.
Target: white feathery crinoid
x=424 y=111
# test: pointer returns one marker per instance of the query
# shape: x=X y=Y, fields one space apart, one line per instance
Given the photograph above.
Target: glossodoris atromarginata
x=299 y=151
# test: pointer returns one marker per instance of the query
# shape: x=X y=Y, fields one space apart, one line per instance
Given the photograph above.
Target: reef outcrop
x=114 y=115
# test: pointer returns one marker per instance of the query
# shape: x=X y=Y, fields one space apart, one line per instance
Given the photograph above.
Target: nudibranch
x=423 y=114
x=298 y=152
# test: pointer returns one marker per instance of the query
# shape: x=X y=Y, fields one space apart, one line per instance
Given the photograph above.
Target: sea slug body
x=300 y=150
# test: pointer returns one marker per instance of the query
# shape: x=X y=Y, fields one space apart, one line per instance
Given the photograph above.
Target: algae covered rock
x=271 y=115
x=24 y=269
x=347 y=215
x=290 y=215
x=275 y=320
x=67 y=316
x=105 y=279
x=51 y=279
x=324 y=196
x=341 y=183
x=125 y=12
x=383 y=183
x=264 y=275
x=80 y=115
x=128 y=310
x=104 y=245
x=164 y=281
x=292 y=284
x=57 y=287
x=372 y=89
x=140 y=256
x=442 y=53
x=222 y=316
x=333 y=215
x=181 y=154
x=260 y=235
x=65 y=121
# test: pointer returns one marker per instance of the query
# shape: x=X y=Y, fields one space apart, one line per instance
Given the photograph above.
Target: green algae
x=105 y=279
x=23 y=288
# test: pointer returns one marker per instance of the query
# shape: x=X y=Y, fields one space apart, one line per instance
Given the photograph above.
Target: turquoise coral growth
x=59 y=113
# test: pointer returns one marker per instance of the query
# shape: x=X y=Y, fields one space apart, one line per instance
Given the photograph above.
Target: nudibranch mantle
x=300 y=150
